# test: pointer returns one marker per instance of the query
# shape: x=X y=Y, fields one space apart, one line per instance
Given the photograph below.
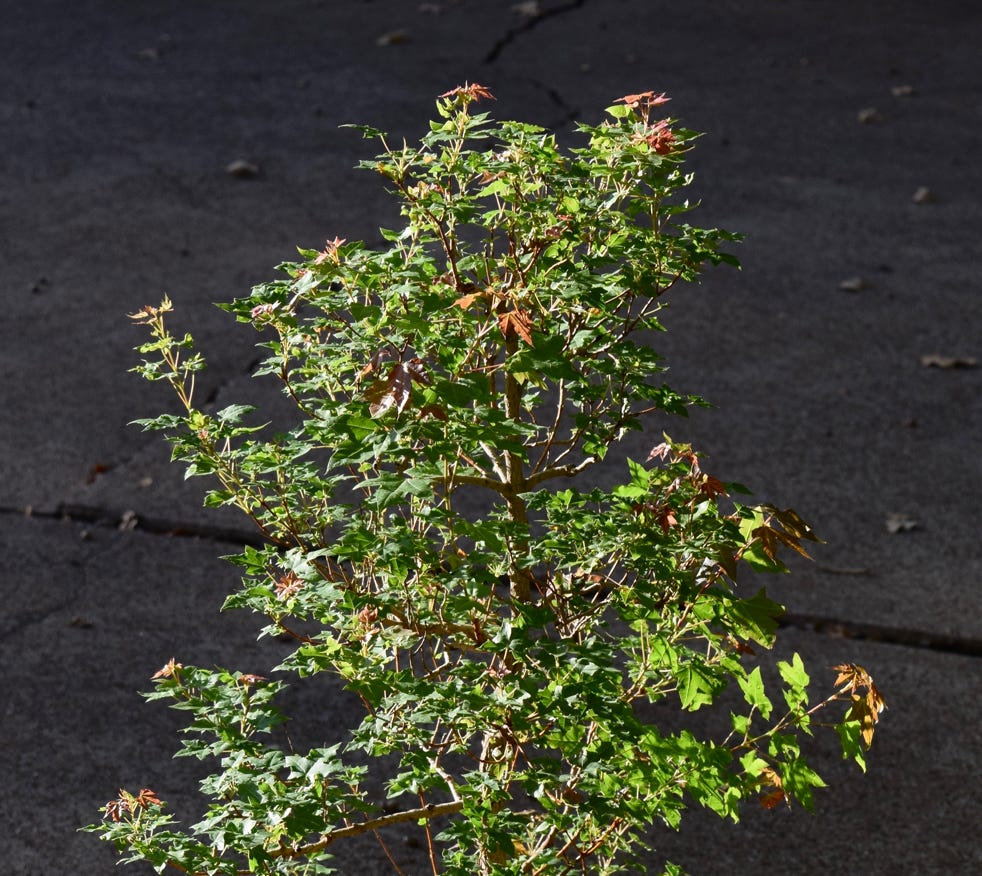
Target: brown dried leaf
x=396 y=390
x=242 y=169
x=370 y=367
x=924 y=195
x=789 y=519
x=860 y=711
x=466 y=301
x=852 y=675
x=517 y=322
x=935 y=360
x=392 y=38
x=393 y=392
x=417 y=371
x=435 y=411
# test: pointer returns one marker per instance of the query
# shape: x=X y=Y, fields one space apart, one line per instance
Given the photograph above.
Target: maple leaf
x=852 y=675
x=712 y=487
x=330 y=250
x=860 y=711
x=168 y=670
x=772 y=799
x=287 y=586
x=661 y=138
x=866 y=707
x=466 y=301
x=516 y=322
x=417 y=371
x=471 y=294
x=371 y=366
x=646 y=98
x=262 y=311
x=469 y=92
x=436 y=411
x=738 y=646
x=396 y=390
x=769 y=778
x=146 y=798
x=659 y=452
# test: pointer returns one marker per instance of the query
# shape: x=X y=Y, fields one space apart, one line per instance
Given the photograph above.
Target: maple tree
x=507 y=633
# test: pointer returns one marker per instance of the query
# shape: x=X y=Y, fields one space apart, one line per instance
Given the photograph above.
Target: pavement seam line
x=824 y=625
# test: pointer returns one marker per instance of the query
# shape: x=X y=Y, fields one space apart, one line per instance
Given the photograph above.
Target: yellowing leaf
x=861 y=712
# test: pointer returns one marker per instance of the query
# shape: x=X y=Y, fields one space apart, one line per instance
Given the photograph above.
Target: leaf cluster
x=429 y=540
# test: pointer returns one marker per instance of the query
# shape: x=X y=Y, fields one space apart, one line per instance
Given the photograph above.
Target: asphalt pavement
x=842 y=139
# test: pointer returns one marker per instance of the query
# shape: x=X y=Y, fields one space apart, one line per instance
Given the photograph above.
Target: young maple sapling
x=428 y=538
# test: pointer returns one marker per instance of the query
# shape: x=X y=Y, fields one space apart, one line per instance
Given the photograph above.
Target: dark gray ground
x=117 y=121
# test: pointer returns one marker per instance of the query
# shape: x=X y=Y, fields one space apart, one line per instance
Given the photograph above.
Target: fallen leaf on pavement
x=393 y=38
x=902 y=90
x=241 y=169
x=935 y=360
x=924 y=196
x=853 y=284
x=869 y=114
x=900 y=523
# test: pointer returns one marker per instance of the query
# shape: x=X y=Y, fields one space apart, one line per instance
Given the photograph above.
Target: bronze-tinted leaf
x=396 y=390
x=516 y=322
x=417 y=371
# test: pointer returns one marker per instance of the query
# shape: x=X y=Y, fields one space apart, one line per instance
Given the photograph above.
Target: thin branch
x=563 y=471
x=431 y=810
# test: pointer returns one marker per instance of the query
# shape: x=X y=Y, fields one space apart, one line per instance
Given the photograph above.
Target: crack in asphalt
x=887 y=635
x=527 y=25
x=570 y=113
x=113 y=518
x=821 y=624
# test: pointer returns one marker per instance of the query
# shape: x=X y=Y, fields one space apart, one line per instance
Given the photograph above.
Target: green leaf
x=755 y=618
x=697 y=686
x=850 y=738
x=799 y=779
x=752 y=686
x=794 y=673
